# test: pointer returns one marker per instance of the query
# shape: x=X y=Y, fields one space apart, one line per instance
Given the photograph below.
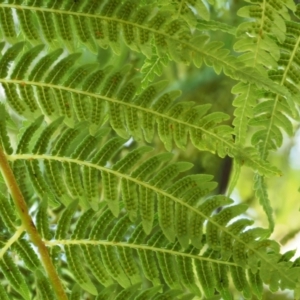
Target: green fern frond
x=175 y=201
x=174 y=122
x=90 y=204
x=170 y=36
x=124 y=173
x=258 y=39
x=275 y=112
x=97 y=24
x=212 y=269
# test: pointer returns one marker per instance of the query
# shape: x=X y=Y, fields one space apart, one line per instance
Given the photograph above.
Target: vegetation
x=125 y=128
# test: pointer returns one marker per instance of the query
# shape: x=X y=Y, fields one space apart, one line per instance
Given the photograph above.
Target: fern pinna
x=95 y=201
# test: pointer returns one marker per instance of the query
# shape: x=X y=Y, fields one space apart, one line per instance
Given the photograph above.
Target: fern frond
x=175 y=198
x=275 y=112
x=123 y=173
x=88 y=160
x=170 y=36
x=101 y=94
x=212 y=271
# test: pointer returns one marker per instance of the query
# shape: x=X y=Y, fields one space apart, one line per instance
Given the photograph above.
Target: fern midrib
x=284 y=78
x=12 y=240
x=146 y=185
x=231 y=146
x=225 y=64
x=53 y=243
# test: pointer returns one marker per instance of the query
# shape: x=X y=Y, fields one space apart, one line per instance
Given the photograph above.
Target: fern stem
x=29 y=226
x=53 y=243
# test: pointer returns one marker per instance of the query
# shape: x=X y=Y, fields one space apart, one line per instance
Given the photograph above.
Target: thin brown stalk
x=29 y=226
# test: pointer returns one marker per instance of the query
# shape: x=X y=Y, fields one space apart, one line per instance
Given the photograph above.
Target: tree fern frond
x=259 y=42
x=169 y=36
x=175 y=200
x=104 y=212
x=212 y=272
x=177 y=122
x=275 y=112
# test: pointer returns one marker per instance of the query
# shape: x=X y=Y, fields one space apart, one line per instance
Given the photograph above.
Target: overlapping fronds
x=161 y=216
x=259 y=42
x=267 y=26
x=101 y=23
x=118 y=251
x=116 y=218
x=273 y=113
x=78 y=159
x=270 y=113
x=55 y=88
x=106 y=23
